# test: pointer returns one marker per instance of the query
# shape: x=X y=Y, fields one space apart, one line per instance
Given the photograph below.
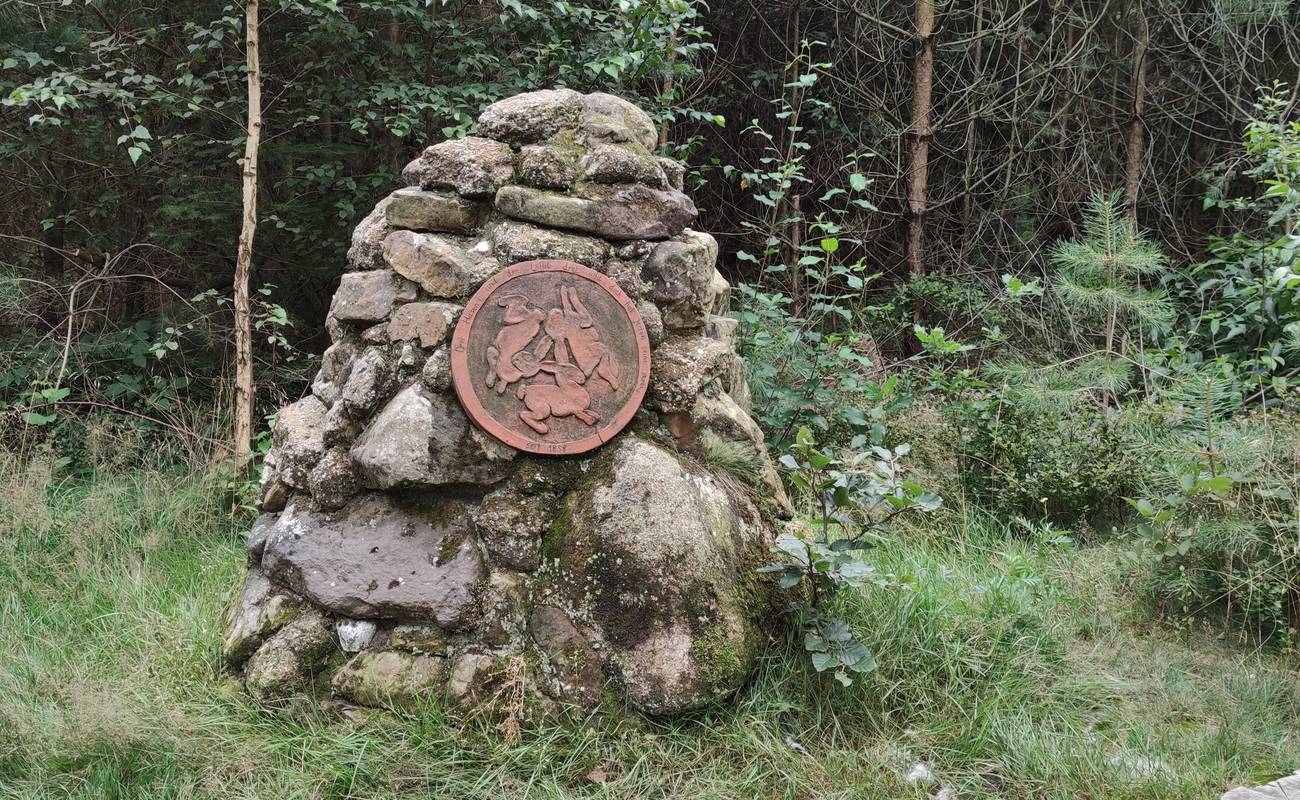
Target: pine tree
x=1099 y=277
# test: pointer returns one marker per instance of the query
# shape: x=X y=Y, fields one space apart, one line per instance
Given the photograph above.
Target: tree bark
x=243 y=424
x=919 y=161
x=670 y=81
x=1137 y=125
x=968 y=198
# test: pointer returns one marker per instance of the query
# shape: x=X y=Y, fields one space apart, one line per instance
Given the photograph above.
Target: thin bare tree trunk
x=243 y=433
x=796 y=245
x=670 y=80
x=918 y=167
x=968 y=198
x=1137 y=125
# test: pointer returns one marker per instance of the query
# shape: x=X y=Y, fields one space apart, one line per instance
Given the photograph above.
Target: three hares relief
x=559 y=347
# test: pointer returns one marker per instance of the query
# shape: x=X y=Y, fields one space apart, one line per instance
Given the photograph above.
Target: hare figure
x=570 y=326
x=523 y=321
x=564 y=398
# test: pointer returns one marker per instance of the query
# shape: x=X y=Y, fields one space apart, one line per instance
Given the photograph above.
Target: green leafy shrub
x=857 y=497
x=1242 y=303
x=1022 y=458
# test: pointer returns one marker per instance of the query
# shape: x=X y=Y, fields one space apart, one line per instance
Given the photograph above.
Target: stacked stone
x=402 y=552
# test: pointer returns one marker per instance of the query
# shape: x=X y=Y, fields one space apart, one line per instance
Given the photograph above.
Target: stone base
x=629 y=575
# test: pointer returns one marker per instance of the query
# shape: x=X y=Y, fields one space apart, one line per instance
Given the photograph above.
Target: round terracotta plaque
x=550 y=357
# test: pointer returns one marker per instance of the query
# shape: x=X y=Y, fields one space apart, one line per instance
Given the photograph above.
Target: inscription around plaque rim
x=550 y=357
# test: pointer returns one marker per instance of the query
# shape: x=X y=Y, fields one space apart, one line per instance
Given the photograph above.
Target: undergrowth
x=1011 y=665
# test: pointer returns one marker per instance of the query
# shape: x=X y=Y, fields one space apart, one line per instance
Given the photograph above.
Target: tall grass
x=1012 y=669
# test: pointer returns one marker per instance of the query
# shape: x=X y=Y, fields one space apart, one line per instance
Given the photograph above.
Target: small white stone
x=355 y=635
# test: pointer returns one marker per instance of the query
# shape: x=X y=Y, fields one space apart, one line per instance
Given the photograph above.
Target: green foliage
x=1060 y=467
x=123 y=128
x=811 y=358
x=168 y=87
x=1099 y=276
x=802 y=374
x=1218 y=540
x=936 y=344
x=737 y=459
x=157 y=376
x=859 y=495
x=110 y=686
x=1242 y=304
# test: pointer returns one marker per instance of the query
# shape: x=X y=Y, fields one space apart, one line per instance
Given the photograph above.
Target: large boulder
x=381 y=559
x=473 y=167
x=618 y=213
x=423 y=439
x=660 y=556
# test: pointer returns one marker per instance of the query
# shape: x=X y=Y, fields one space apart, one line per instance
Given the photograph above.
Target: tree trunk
x=796 y=246
x=968 y=198
x=918 y=168
x=243 y=433
x=1065 y=143
x=1137 y=125
x=670 y=81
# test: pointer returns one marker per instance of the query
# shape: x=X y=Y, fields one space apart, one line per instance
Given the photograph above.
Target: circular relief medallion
x=550 y=357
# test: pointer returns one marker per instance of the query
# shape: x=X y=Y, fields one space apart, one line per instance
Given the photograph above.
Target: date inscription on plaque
x=550 y=357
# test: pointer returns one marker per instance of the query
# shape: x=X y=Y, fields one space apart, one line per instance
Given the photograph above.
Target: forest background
x=1038 y=257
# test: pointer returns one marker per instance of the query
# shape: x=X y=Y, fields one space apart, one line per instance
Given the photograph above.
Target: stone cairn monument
x=527 y=458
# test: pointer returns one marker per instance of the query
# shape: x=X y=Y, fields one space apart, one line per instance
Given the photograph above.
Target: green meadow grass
x=1015 y=670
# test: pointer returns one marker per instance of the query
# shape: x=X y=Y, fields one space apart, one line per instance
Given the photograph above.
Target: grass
x=1015 y=669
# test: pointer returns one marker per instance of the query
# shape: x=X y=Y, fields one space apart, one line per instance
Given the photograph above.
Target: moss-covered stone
x=287 y=662
x=259 y=611
x=535 y=475
x=392 y=678
x=655 y=554
x=425 y=638
x=717 y=657
x=511 y=525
